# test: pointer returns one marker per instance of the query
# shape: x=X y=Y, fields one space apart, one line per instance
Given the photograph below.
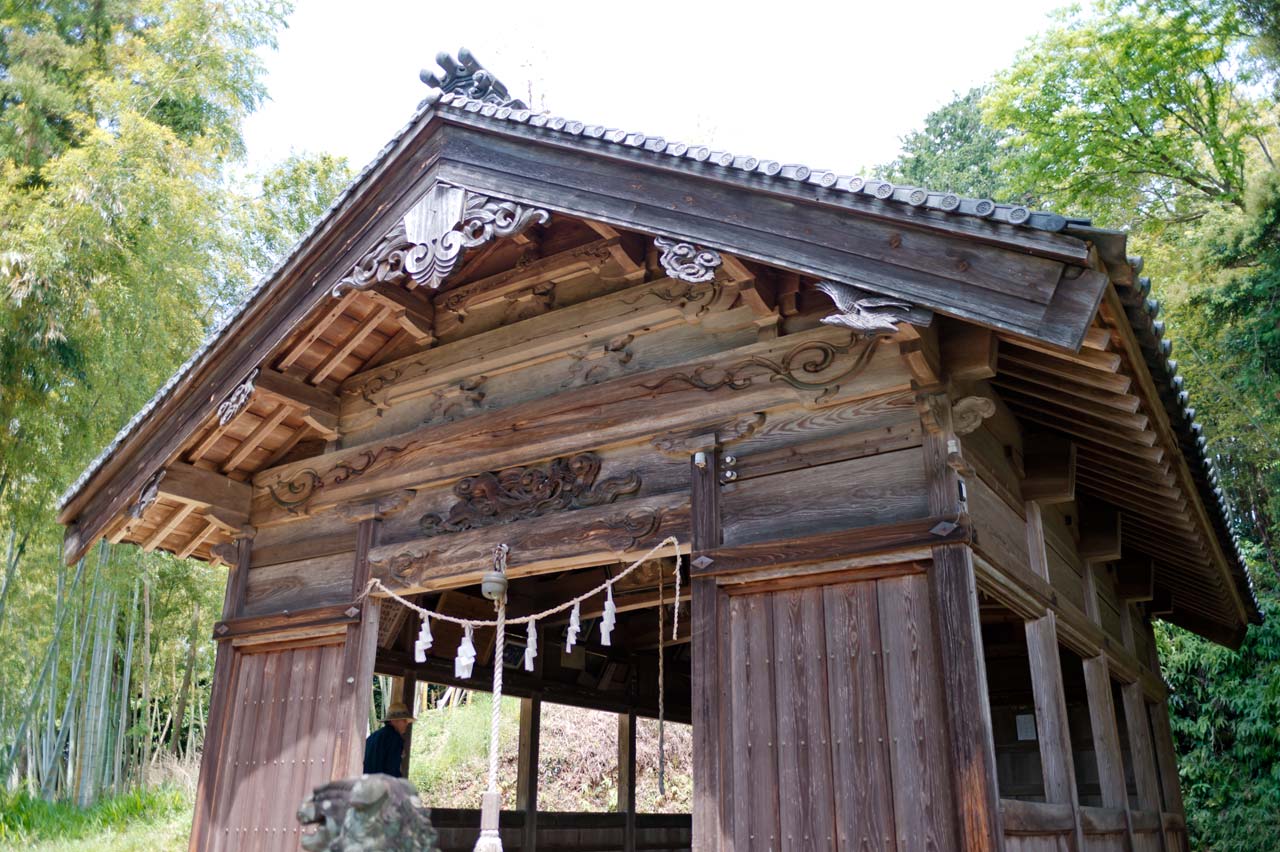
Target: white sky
x=832 y=85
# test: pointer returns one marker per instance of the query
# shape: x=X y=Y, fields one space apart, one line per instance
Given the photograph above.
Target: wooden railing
x=1044 y=827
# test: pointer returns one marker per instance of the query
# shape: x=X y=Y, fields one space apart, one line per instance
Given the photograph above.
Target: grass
x=154 y=819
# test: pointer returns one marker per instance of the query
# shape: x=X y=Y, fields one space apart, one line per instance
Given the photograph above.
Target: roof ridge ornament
x=468 y=76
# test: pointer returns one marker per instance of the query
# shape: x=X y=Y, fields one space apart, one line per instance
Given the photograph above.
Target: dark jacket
x=382 y=752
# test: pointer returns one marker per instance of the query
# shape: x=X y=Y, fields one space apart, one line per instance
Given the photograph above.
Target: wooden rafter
x=256 y=437
x=353 y=340
x=318 y=328
x=196 y=540
x=168 y=526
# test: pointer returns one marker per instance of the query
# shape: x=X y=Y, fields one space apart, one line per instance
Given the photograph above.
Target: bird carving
x=858 y=310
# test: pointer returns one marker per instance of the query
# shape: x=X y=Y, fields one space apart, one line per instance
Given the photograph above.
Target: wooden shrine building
x=931 y=468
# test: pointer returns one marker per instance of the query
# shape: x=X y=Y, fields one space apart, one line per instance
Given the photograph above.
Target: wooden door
x=830 y=728
x=279 y=737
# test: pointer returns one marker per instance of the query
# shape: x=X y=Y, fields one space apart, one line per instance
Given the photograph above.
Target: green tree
x=1138 y=110
x=956 y=151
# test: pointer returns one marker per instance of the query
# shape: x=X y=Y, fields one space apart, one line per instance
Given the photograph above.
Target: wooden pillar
x=1106 y=736
x=954 y=597
x=224 y=665
x=527 y=769
x=1140 y=747
x=712 y=793
x=627 y=777
x=406 y=689
x=355 y=687
x=1166 y=757
x=1053 y=727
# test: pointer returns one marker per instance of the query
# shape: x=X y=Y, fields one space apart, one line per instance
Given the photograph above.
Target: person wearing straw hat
x=383 y=748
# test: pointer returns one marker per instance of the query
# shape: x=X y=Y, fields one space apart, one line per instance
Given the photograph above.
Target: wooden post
x=1140 y=747
x=710 y=824
x=1106 y=736
x=1166 y=758
x=406 y=689
x=627 y=777
x=527 y=770
x=355 y=690
x=1052 y=726
x=1057 y=760
x=224 y=674
x=954 y=596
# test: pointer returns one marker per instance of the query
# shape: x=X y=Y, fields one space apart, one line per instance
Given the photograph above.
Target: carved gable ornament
x=425 y=246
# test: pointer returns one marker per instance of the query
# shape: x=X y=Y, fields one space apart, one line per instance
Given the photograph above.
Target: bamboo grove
x=123 y=239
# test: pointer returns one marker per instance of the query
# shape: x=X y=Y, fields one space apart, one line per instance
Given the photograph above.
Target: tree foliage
x=123 y=237
x=1138 y=109
x=956 y=151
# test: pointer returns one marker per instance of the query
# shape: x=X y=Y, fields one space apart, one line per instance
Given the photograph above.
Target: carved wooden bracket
x=237 y=399
x=425 y=246
x=968 y=413
x=148 y=495
x=686 y=261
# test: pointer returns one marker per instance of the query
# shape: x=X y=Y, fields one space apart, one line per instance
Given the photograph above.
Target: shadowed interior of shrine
x=619 y=678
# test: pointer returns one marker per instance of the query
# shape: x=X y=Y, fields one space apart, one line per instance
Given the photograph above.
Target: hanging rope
x=662 y=683
x=494 y=587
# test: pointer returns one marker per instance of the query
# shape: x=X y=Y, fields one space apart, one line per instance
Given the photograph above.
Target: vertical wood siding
x=832 y=726
x=278 y=748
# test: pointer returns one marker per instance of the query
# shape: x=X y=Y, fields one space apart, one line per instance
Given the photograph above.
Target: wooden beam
x=318 y=408
x=1052 y=724
x=415 y=313
x=968 y=351
x=1050 y=465
x=317 y=328
x=1106 y=736
x=953 y=595
x=1099 y=532
x=196 y=540
x=712 y=785
x=1104 y=379
x=1136 y=580
x=833 y=546
x=1141 y=750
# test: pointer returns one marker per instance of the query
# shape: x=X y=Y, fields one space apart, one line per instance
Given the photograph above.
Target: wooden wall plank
x=805 y=782
x=862 y=781
x=923 y=804
x=756 y=818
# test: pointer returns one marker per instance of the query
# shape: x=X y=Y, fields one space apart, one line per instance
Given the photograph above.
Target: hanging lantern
x=466 y=659
x=531 y=646
x=571 y=638
x=423 y=644
x=610 y=617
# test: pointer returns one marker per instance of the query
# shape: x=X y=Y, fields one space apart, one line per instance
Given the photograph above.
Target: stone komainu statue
x=372 y=813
